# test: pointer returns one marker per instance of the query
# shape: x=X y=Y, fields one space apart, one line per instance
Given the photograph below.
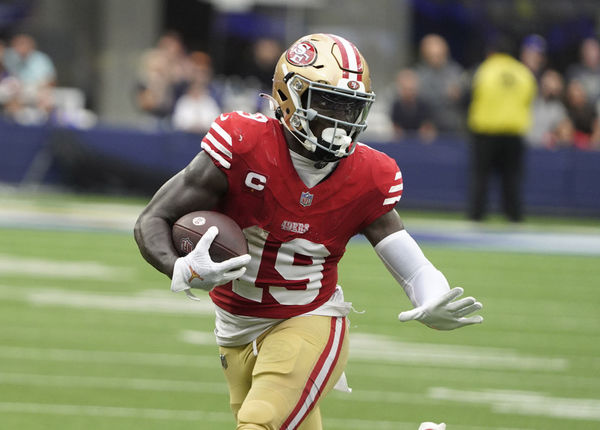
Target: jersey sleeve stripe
x=218 y=145
x=391 y=200
x=226 y=136
x=396 y=188
x=215 y=155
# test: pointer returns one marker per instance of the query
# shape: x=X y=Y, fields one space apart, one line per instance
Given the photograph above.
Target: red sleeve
x=218 y=141
x=231 y=135
x=387 y=185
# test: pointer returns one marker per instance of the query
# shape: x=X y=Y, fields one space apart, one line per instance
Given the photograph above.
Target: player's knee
x=256 y=415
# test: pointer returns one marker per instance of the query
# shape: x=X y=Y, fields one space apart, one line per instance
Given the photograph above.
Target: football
x=229 y=243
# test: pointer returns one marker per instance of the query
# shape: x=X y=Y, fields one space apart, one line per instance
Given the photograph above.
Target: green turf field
x=92 y=339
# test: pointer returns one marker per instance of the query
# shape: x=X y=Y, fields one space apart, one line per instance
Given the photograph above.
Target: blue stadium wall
x=126 y=161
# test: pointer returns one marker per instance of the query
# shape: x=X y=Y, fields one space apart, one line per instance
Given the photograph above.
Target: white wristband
x=406 y=262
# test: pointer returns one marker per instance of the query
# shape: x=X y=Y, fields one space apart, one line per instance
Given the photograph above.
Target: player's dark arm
x=197 y=187
x=383 y=226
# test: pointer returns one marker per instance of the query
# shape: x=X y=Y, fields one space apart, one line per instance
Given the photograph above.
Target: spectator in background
x=441 y=84
x=551 y=126
x=587 y=71
x=533 y=54
x=410 y=114
x=265 y=54
x=503 y=90
x=162 y=78
x=171 y=45
x=3 y=71
x=7 y=89
x=584 y=116
x=33 y=68
x=30 y=99
x=197 y=108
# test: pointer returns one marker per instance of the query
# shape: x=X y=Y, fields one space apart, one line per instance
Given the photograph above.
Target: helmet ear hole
x=282 y=95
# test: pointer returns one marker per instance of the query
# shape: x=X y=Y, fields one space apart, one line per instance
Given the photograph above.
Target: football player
x=300 y=186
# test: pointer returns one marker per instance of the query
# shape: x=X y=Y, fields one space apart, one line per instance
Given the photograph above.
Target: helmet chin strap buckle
x=337 y=137
x=310 y=145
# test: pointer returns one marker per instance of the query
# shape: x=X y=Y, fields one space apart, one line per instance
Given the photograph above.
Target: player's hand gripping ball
x=229 y=243
x=213 y=252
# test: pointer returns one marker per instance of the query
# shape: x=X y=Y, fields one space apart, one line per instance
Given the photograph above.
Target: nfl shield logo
x=306 y=198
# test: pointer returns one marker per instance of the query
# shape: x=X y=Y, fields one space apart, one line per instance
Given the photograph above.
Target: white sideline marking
x=197 y=415
x=114 y=412
x=95 y=356
x=524 y=403
x=70 y=216
x=395 y=425
x=371 y=347
x=37 y=267
x=519 y=399
x=158 y=301
x=196 y=337
x=379 y=348
x=146 y=301
x=142 y=384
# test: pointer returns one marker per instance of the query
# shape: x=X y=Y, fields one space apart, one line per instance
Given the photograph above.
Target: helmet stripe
x=350 y=58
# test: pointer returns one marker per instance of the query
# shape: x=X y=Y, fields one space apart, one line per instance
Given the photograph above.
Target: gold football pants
x=297 y=362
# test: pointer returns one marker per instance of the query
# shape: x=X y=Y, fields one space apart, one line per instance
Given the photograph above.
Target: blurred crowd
x=432 y=97
x=178 y=90
x=28 y=91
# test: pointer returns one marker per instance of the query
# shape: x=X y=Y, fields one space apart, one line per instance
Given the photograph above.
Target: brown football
x=230 y=242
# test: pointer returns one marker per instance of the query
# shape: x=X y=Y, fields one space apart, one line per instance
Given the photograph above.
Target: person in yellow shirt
x=503 y=90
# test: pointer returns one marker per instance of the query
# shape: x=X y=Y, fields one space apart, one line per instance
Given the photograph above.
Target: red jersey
x=296 y=235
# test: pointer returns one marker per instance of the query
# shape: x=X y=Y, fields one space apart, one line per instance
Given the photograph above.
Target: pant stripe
x=319 y=376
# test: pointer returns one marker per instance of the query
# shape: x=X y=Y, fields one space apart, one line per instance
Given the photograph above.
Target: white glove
x=197 y=270
x=444 y=314
x=432 y=426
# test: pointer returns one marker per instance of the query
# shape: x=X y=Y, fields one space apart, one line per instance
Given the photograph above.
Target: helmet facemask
x=327 y=119
x=322 y=92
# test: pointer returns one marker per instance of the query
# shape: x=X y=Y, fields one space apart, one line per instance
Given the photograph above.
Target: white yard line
x=380 y=348
x=116 y=357
x=166 y=302
x=200 y=416
x=523 y=403
x=114 y=412
x=193 y=385
x=386 y=349
x=149 y=301
x=38 y=267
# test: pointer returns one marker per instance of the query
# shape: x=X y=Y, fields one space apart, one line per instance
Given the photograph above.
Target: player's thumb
x=410 y=315
x=207 y=239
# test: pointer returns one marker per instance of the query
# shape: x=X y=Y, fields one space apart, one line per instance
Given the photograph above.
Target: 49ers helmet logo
x=302 y=53
x=353 y=85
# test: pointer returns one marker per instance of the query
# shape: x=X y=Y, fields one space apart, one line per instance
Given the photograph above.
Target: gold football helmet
x=323 y=91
